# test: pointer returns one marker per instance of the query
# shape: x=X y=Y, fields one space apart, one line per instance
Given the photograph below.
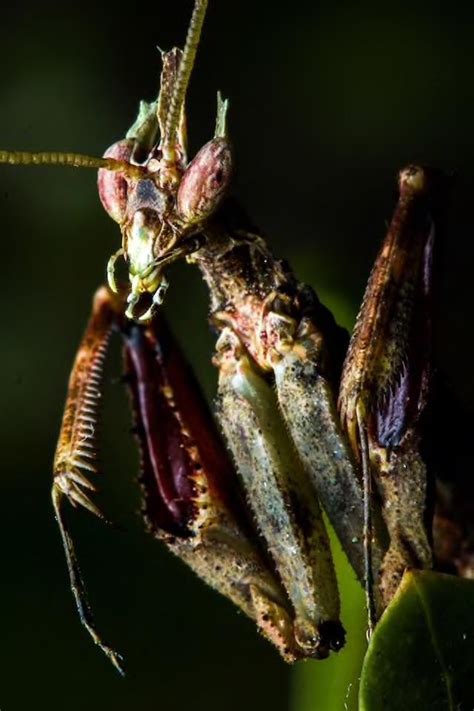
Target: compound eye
x=113 y=187
x=205 y=181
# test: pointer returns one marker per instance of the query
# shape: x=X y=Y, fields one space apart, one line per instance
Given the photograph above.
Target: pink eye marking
x=205 y=180
x=113 y=186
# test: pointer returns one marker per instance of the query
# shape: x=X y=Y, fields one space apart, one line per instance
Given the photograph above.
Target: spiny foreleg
x=76 y=454
x=192 y=498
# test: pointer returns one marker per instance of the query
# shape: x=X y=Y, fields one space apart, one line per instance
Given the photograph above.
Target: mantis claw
x=76 y=496
x=77 y=443
x=79 y=478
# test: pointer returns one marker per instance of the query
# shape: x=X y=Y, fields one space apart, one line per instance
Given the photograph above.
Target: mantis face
x=163 y=205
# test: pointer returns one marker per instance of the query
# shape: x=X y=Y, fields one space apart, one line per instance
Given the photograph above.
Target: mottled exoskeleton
x=251 y=524
x=386 y=387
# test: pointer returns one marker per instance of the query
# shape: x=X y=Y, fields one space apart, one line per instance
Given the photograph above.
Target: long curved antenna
x=72 y=160
x=185 y=69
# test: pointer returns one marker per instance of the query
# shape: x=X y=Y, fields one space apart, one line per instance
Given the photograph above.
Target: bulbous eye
x=113 y=186
x=205 y=181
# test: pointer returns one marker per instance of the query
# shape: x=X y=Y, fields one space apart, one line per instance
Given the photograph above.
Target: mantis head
x=160 y=200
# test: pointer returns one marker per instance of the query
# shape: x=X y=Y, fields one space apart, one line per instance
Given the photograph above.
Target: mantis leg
x=307 y=401
x=281 y=498
x=386 y=382
x=192 y=497
x=76 y=453
x=367 y=463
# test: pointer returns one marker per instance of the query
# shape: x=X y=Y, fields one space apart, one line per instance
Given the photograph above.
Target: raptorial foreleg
x=75 y=461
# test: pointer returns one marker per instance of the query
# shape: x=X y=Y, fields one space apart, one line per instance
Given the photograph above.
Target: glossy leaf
x=422 y=652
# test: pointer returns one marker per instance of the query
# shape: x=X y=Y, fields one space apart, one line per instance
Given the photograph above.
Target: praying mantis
x=302 y=642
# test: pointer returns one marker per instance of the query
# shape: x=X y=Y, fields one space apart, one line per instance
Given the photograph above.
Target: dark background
x=328 y=101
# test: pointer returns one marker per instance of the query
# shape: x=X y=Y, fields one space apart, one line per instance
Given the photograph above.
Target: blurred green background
x=328 y=101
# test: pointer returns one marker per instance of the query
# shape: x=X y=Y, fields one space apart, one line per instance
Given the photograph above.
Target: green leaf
x=421 y=655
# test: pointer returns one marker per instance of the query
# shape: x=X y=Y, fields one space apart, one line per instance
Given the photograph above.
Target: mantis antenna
x=77 y=160
x=182 y=80
x=73 y=160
